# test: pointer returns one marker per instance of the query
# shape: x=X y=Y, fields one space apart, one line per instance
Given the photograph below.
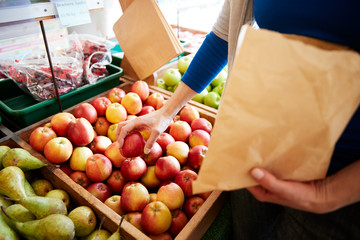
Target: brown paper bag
x=146 y=38
x=285 y=105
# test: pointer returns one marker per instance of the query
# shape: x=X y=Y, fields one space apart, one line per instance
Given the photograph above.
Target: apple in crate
x=58 y=150
x=133 y=145
x=114 y=202
x=101 y=126
x=116 y=113
x=189 y=114
x=133 y=168
x=149 y=179
x=116 y=182
x=166 y=168
x=180 y=131
x=116 y=94
x=202 y=124
x=141 y=88
x=156 y=100
x=156 y=218
x=87 y=111
x=100 y=144
x=200 y=96
x=192 y=205
x=165 y=139
x=161 y=236
x=134 y=197
x=132 y=103
x=98 y=167
x=196 y=156
x=80 y=178
x=114 y=154
x=221 y=77
x=100 y=190
x=60 y=121
x=146 y=110
x=199 y=137
x=172 y=76
x=135 y=219
x=80 y=132
x=101 y=104
x=79 y=158
x=179 y=150
x=172 y=195
x=184 y=179
x=212 y=99
x=183 y=63
x=40 y=136
x=178 y=222
x=155 y=152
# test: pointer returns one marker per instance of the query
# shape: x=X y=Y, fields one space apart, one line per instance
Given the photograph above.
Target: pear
x=6 y=232
x=101 y=234
x=84 y=220
x=54 y=227
x=4 y=202
x=29 y=191
x=21 y=158
x=44 y=206
x=12 y=182
x=42 y=186
x=18 y=213
x=116 y=235
x=3 y=150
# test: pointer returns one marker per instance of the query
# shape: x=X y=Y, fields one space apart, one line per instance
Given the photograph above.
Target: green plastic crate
x=19 y=109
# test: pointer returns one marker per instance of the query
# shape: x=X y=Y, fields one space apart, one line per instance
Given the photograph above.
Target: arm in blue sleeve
x=209 y=60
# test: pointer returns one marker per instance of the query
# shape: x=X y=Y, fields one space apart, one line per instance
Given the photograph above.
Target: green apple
x=183 y=63
x=200 y=96
x=208 y=88
x=171 y=76
x=221 y=77
x=221 y=87
x=161 y=83
x=212 y=99
x=172 y=88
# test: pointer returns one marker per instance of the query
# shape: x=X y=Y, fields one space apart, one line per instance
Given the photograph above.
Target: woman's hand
x=318 y=196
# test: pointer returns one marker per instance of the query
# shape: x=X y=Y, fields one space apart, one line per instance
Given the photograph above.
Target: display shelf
x=38 y=11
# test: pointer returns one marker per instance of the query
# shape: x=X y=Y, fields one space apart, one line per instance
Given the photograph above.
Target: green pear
x=21 y=158
x=4 y=202
x=6 y=232
x=3 y=150
x=101 y=234
x=12 y=182
x=116 y=235
x=44 y=206
x=54 y=227
x=18 y=213
x=60 y=194
x=42 y=186
x=28 y=189
x=84 y=220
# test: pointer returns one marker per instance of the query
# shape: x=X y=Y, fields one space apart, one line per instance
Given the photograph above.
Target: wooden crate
x=196 y=226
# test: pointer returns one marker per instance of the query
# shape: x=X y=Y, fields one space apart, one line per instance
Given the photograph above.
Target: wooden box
x=196 y=226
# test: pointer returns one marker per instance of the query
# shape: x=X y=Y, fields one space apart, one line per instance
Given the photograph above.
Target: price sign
x=73 y=13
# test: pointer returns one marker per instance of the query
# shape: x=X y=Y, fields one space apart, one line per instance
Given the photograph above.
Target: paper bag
x=285 y=105
x=146 y=38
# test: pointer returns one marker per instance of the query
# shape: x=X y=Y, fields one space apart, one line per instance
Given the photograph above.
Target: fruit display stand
x=194 y=229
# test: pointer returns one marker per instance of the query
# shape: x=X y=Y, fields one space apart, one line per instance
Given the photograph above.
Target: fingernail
x=257 y=173
x=146 y=150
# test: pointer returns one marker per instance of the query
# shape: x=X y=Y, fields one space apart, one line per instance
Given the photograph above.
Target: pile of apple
x=153 y=190
x=210 y=96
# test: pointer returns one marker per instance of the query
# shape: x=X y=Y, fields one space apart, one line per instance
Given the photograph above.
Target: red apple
x=156 y=218
x=133 y=168
x=164 y=139
x=98 y=167
x=134 y=197
x=199 y=137
x=141 y=88
x=65 y=167
x=192 y=205
x=149 y=179
x=180 y=131
x=133 y=146
x=161 y=236
x=80 y=178
x=184 y=179
x=114 y=154
x=189 y=114
x=80 y=132
x=135 y=219
x=204 y=195
x=132 y=103
x=172 y=195
x=166 y=168
x=40 y=136
x=116 y=94
x=201 y=123
x=87 y=111
x=58 y=150
x=60 y=121
x=114 y=202
x=116 y=182
x=196 y=156
x=100 y=144
x=101 y=126
x=155 y=152
x=180 y=150
x=101 y=104
x=178 y=222
x=146 y=110
x=100 y=190
x=156 y=100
